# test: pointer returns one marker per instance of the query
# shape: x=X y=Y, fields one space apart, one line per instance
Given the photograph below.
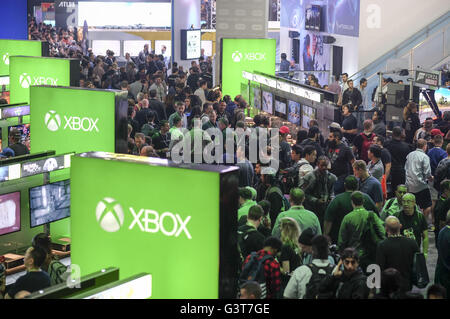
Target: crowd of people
x=338 y=204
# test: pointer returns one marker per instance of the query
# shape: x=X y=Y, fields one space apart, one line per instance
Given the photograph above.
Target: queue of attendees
x=337 y=205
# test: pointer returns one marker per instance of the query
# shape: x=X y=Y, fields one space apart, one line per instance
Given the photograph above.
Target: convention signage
x=27 y=71
x=72 y=119
x=9 y=48
x=137 y=225
x=245 y=55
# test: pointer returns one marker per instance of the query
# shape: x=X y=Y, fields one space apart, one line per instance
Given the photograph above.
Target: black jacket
x=158 y=107
x=353 y=287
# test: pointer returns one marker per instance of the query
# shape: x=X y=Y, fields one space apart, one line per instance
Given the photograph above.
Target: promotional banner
x=10 y=48
x=72 y=120
x=245 y=55
x=66 y=14
x=315 y=55
x=138 y=225
x=27 y=71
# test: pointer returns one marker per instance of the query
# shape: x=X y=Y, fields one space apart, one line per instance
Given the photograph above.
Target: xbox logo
x=52 y=121
x=25 y=81
x=236 y=56
x=6 y=58
x=109 y=214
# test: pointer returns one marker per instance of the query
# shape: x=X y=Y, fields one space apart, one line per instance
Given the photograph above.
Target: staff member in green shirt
x=245 y=201
x=304 y=218
x=341 y=205
x=355 y=231
x=394 y=205
x=414 y=223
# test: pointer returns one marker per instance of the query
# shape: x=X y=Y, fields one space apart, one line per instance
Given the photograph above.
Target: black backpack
x=313 y=286
x=254 y=271
x=242 y=239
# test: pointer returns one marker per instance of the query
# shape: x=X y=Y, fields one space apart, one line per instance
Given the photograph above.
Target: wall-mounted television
x=313 y=17
x=24 y=130
x=49 y=203
x=267 y=102
x=257 y=98
x=308 y=114
x=294 y=113
x=281 y=107
x=9 y=213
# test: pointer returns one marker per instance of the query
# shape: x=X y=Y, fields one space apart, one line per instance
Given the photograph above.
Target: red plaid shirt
x=272 y=272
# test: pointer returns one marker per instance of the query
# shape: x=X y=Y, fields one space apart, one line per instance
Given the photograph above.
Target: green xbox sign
x=68 y=119
x=31 y=71
x=9 y=48
x=182 y=235
x=245 y=55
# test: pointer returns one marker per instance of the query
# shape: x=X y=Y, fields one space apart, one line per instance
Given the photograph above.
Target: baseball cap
x=436 y=131
x=284 y=130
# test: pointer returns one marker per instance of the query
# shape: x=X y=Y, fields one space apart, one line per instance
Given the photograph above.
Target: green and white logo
x=6 y=58
x=25 y=81
x=236 y=56
x=52 y=121
x=109 y=214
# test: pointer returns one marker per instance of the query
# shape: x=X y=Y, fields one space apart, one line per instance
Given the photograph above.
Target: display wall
x=9 y=48
x=26 y=71
x=138 y=227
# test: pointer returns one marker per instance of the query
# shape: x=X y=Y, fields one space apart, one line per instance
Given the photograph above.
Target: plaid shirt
x=272 y=272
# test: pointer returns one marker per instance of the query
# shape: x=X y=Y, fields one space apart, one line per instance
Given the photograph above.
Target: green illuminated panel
x=105 y=197
x=72 y=120
x=28 y=71
x=9 y=48
x=245 y=55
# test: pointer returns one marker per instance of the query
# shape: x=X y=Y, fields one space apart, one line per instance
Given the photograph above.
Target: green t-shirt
x=305 y=219
x=245 y=208
x=413 y=226
x=353 y=227
x=339 y=207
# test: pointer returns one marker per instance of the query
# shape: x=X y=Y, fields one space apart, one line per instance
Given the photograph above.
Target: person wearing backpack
x=363 y=141
x=362 y=230
x=318 y=187
x=306 y=280
x=55 y=269
x=347 y=281
x=262 y=267
x=278 y=203
x=249 y=238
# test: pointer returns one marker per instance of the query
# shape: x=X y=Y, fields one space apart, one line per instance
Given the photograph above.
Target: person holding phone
x=347 y=280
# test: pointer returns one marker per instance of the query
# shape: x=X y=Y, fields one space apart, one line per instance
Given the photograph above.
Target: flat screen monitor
x=245 y=91
x=308 y=114
x=280 y=107
x=24 y=130
x=257 y=97
x=267 y=102
x=9 y=213
x=294 y=112
x=49 y=203
x=313 y=18
x=135 y=46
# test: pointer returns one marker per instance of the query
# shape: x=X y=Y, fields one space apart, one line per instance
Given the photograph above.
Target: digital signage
x=280 y=107
x=250 y=55
x=294 y=112
x=122 y=219
x=191 y=44
x=26 y=72
x=9 y=213
x=75 y=119
x=9 y=48
x=308 y=114
x=267 y=102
